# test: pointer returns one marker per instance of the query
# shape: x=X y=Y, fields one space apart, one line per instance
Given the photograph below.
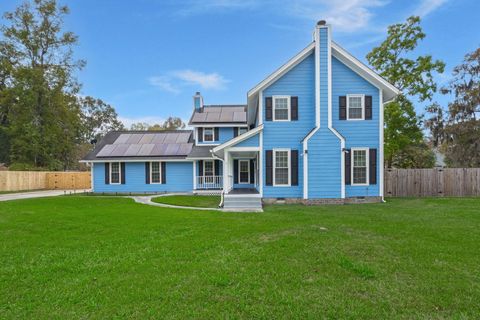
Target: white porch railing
x=209 y=182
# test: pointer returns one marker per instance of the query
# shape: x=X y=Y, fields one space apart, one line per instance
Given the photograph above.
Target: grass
x=190 y=201
x=81 y=257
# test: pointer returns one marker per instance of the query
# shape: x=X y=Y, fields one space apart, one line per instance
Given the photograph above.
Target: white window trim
x=213 y=134
x=362 y=96
x=213 y=168
x=119 y=173
x=248 y=167
x=274 y=151
x=159 y=171
x=367 y=163
x=288 y=108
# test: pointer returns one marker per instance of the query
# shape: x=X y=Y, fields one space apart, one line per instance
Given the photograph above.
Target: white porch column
x=194 y=174
x=226 y=170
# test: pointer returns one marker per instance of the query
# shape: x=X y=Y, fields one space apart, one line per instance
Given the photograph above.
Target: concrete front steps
x=244 y=202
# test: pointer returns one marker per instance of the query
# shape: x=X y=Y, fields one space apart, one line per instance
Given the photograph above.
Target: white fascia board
x=390 y=91
x=283 y=69
x=238 y=139
x=219 y=125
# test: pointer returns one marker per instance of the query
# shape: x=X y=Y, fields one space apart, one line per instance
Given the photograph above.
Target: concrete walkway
x=36 y=194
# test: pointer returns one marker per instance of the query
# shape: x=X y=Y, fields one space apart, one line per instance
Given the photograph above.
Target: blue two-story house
x=311 y=132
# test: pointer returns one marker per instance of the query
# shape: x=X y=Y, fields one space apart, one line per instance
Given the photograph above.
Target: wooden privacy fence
x=35 y=180
x=458 y=182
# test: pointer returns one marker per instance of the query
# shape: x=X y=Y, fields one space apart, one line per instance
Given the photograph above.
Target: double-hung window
x=244 y=171
x=155 y=172
x=115 y=173
x=360 y=166
x=355 y=107
x=208 y=134
x=281 y=108
x=208 y=169
x=281 y=167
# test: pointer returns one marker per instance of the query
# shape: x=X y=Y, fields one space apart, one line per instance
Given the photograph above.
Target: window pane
x=155 y=170
x=244 y=174
x=281 y=167
x=208 y=134
x=115 y=172
x=281 y=108
x=355 y=108
x=208 y=168
x=242 y=130
x=359 y=166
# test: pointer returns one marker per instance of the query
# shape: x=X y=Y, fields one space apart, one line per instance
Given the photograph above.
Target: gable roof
x=123 y=145
x=221 y=114
x=389 y=91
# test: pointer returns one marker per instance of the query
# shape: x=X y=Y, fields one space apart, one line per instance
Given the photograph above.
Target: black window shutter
x=269 y=167
x=217 y=134
x=235 y=171
x=294 y=167
x=147 y=172
x=348 y=166
x=372 y=158
x=235 y=132
x=200 y=168
x=252 y=171
x=293 y=108
x=107 y=173
x=368 y=107
x=164 y=172
x=122 y=170
x=200 y=135
x=342 y=102
x=268 y=109
x=217 y=167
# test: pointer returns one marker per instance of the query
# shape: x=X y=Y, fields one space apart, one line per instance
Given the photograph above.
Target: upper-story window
x=242 y=130
x=281 y=108
x=208 y=134
x=355 y=107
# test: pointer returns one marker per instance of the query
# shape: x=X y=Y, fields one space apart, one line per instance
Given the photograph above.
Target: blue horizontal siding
x=364 y=133
x=179 y=178
x=250 y=142
x=300 y=82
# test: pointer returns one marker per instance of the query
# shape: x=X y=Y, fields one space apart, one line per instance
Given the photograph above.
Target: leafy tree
x=172 y=123
x=97 y=118
x=458 y=133
x=38 y=96
x=414 y=77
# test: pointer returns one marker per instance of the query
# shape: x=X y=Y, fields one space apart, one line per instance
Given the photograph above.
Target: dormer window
x=242 y=130
x=208 y=135
x=355 y=107
x=281 y=108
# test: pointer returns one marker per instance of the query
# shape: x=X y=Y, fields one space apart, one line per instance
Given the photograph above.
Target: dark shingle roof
x=143 y=144
x=201 y=152
x=211 y=114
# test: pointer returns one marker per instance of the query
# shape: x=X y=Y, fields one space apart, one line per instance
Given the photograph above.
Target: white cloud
x=204 y=80
x=174 y=81
x=344 y=15
x=428 y=6
x=164 y=83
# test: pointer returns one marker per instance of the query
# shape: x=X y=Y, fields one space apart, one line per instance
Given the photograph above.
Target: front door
x=244 y=171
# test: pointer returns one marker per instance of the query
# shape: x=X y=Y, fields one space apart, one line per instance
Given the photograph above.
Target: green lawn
x=88 y=257
x=190 y=201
